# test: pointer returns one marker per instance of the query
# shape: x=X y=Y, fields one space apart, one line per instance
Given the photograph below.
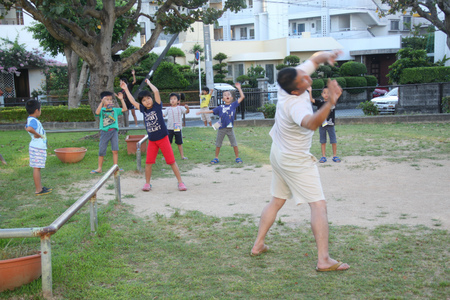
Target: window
x=300 y=28
x=252 y=34
x=294 y=28
x=238 y=70
x=269 y=73
x=243 y=33
x=407 y=23
x=395 y=24
x=19 y=16
x=230 y=70
x=250 y=4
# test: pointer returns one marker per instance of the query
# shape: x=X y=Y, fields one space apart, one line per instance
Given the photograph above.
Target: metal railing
x=46 y=232
x=138 y=152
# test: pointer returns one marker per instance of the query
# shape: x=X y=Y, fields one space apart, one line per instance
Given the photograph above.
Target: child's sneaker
x=182 y=187
x=147 y=187
x=44 y=191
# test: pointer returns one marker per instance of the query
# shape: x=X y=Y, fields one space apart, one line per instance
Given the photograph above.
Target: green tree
x=91 y=35
x=291 y=60
x=175 y=52
x=432 y=10
x=220 y=67
x=353 y=68
x=168 y=76
x=253 y=74
x=407 y=58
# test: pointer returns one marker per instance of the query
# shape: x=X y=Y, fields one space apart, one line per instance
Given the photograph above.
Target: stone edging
x=389 y=119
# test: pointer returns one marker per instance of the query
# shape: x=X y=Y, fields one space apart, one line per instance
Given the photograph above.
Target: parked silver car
x=387 y=102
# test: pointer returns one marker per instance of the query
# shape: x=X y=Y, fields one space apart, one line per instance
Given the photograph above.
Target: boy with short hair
x=38 y=145
x=205 y=97
x=226 y=113
x=327 y=126
x=109 y=127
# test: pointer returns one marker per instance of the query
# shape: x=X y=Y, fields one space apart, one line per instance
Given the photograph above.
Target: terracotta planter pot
x=70 y=155
x=19 y=271
x=131 y=143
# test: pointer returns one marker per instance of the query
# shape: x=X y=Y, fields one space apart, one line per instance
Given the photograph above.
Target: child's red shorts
x=166 y=149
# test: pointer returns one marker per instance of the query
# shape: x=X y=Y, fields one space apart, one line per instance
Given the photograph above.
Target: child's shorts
x=295 y=177
x=105 y=137
x=166 y=149
x=221 y=135
x=37 y=157
x=178 y=137
x=331 y=133
x=205 y=117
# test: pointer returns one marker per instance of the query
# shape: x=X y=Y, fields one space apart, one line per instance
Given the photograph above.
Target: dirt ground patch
x=361 y=191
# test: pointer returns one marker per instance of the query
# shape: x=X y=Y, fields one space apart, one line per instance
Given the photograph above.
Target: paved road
x=258 y=115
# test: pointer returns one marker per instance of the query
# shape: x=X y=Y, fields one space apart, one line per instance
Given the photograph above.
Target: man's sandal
x=336 y=159
x=215 y=161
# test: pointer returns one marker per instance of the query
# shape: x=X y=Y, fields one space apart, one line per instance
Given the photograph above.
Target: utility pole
x=208 y=54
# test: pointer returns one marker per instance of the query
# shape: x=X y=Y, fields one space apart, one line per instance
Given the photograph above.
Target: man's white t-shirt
x=287 y=132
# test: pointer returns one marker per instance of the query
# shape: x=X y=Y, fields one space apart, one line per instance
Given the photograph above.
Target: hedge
x=371 y=80
x=49 y=114
x=352 y=68
x=341 y=81
x=317 y=84
x=425 y=75
x=355 y=82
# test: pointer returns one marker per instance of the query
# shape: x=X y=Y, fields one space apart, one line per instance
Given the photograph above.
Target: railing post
x=46 y=266
x=138 y=157
x=93 y=212
x=117 y=186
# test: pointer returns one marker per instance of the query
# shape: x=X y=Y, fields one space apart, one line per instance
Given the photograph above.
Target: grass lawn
x=193 y=255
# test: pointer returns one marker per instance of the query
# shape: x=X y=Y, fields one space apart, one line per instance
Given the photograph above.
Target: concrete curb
x=390 y=119
x=429 y=118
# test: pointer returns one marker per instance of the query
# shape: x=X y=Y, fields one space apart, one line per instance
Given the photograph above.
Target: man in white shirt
x=295 y=173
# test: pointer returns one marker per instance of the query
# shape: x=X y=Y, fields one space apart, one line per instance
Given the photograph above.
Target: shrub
x=353 y=68
x=353 y=82
x=341 y=81
x=317 y=86
x=425 y=75
x=268 y=110
x=49 y=114
x=368 y=108
x=371 y=80
x=167 y=76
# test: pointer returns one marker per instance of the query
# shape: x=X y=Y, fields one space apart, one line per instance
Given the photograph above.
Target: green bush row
x=48 y=114
x=349 y=81
x=425 y=75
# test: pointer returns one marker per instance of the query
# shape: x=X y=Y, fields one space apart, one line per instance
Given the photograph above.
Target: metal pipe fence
x=45 y=233
x=138 y=152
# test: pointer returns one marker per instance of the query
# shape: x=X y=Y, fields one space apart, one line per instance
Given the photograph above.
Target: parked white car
x=387 y=102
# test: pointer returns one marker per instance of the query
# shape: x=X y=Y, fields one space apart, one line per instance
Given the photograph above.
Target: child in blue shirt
x=226 y=113
x=38 y=145
x=157 y=133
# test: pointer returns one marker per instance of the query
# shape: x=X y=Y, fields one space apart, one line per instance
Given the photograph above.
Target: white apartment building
x=308 y=26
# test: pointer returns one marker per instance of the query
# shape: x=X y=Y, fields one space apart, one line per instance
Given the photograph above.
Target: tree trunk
x=82 y=81
x=101 y=79
x=72 y=73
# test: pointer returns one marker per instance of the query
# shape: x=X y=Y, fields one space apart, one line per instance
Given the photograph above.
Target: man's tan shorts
x=205 y=117
x=295 y=177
